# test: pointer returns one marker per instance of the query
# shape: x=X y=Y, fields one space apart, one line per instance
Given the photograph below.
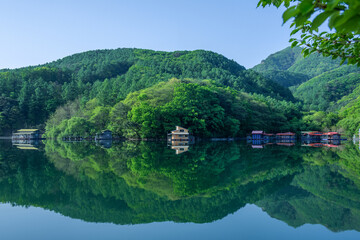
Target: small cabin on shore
x=26 y=134
x=179 y=134
x=104 y=135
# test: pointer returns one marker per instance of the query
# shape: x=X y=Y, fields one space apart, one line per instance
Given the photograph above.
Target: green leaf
x=294 y=44
x=333 y=19
x=349 y=26
x=300 y=20
x=342 y=61
x=295 y=31
x=320 y=19
x=332 y=4
x=289 y=13
x=306 y=6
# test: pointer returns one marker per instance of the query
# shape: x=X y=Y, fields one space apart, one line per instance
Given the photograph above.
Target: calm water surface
x=144 y=190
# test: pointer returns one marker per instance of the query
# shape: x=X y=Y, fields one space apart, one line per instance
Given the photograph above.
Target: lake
x=208 y=190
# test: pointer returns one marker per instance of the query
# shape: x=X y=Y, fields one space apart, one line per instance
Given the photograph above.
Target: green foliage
x=206 y=108
x=350 y=115
x=321 y=83
x=10 y=116
x=342 y=16
x=34 y=92
x=291 y=61
x=286 y=78
x=324 y=91
x=320 y=121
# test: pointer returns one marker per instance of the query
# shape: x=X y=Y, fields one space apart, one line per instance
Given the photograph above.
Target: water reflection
x=141 y=182
x=27 y=144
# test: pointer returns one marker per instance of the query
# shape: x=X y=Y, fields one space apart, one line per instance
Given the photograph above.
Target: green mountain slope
x=322 y=84
x=279 y=61
x=323 y=91
x=291 y=60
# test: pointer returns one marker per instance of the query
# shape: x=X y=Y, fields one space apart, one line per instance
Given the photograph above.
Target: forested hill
x=136 y=69
x=328 y=90
x=29 y=95
x=291 y=60
x=289 y=68
x=321 y=83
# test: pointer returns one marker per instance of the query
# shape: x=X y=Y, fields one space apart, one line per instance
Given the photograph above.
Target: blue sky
x=35 y=32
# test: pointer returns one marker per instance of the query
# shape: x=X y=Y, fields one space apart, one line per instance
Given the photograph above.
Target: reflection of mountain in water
x=146 y=182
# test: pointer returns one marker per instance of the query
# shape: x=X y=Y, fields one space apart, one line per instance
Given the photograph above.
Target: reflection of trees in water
x=145 y=182
x=326 y=192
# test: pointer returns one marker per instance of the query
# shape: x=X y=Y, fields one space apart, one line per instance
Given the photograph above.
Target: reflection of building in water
x=179 y=139
x=288 y=136
x=26 y=134
x=259 y=143
x=331 y=136
x=332 y=143
x=104 y=143
x=26 y=144
x=286 y=144
x=104 y=135
x=261 y=135
x=307 y=144
x=180 y=146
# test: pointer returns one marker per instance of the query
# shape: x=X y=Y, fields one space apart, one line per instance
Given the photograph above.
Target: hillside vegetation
x=329 y=91
x=206 y=108
x=29 y=95
x=317 y=81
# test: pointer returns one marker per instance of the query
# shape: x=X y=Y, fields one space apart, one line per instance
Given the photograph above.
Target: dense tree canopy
x=206 y=108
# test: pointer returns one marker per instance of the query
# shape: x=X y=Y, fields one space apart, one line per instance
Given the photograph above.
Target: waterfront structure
x=261 y=135
x=26 y=134
x=312 y=135
x=331 y=136
x=286 y=136
x=257 y=135
x=104 y=135
x=268 y=136
x=179 y=134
